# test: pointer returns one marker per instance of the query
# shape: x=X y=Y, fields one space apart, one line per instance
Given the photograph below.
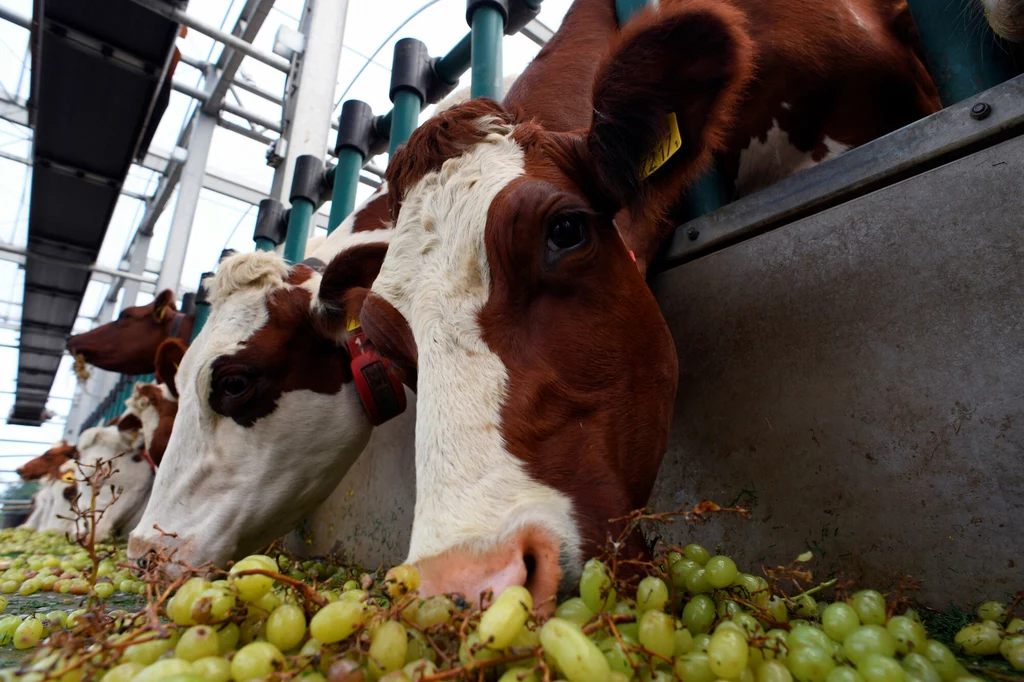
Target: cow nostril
x=531 y=568
x=147 y=560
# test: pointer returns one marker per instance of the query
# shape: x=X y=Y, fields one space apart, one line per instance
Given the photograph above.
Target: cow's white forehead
x=471 y=492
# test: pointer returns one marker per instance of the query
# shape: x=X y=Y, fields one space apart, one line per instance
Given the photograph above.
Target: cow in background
x=46 y=469
x=545 y=372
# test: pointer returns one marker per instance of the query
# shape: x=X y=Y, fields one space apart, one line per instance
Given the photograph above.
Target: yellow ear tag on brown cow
x=68 y=477
x=664 y=150
x=352 y=324
x=160 y=313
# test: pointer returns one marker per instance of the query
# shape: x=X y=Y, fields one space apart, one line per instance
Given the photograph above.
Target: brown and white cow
x=1006 y=17
x=128 y=344
x=46 y=469
x=546 y=375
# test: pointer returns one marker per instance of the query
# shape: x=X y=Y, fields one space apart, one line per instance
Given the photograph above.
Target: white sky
x=220 y=221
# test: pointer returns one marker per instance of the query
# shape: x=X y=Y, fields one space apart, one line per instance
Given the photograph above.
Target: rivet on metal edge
x=692 y=233
x=980 y=110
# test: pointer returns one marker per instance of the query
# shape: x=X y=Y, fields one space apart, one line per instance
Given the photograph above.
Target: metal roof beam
x=249 y=23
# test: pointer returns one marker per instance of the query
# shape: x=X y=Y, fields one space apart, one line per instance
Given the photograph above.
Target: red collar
x=149 y=460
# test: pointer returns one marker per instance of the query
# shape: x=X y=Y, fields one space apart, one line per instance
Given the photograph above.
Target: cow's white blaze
x=471 y=492
x=147 y=412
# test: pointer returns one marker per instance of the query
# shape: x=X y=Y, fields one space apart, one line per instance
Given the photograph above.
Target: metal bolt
x=692 y=233
x=980 y=110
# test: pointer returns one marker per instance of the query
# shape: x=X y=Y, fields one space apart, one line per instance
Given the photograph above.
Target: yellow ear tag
x=160 y=313
x=664 y=150
x=352 y=325
x=68 y=477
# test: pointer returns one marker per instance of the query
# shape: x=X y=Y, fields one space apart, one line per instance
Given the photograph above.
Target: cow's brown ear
x=168 y=359
x=162 y=303
x=657 y=118
x=129 y=422
x=345 y=284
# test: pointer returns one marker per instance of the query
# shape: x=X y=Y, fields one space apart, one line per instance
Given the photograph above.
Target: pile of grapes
x=694 y=617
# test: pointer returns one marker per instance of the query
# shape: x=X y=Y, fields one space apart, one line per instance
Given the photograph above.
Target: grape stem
x=307 y=592
x=618 y=638
x=813 y=590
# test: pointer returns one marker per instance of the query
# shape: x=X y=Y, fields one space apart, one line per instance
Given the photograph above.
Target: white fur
x=765 y=163
x=46 y=495
x=470 y=491
x=146 y=411
x=1006 y=17
x=226 y=489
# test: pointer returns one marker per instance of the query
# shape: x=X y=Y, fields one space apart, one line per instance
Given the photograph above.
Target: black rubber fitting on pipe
x=226 y=253
x=356 y=128
x=411 y=68
x=188 y=303
x=271 y=222
x=473 y=5
x=437 y=90
x=519 y=14
x=203 y=294
x=308 y=179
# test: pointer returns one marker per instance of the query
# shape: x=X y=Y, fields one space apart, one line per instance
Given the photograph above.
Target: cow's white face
x=267 y=423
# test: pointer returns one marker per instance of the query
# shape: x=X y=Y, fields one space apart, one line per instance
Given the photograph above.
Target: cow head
x=1006 y=17
x=546 y=374
x=157 y=403
x=268 y=418
x=48 y=463
x=128 y=344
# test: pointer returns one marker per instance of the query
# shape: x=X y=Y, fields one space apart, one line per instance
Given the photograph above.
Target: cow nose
x=529 y=558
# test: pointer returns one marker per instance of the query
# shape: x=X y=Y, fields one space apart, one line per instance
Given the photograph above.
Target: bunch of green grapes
x=997 y=632
x=696 y=618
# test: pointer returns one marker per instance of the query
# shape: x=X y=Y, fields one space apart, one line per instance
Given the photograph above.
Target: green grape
x=844 y=673
x=1009 y=643
x=73 y=619
x=527 y=638
x=867 y=640
x=701 y=641
x=596 y=587
x=212 y=669
x=777 y=609
x=615 y=655
x=28 y=633
x=696 y=553
x=354 y=595
x=256 y=660
x=401 y=580
x=104 y=590
x=520 y=674
x=727 y=653
x=1015 y=626
x=500 y=623
x=838 y=620
x=472 y=653
x=578 y=658
x=251 y=587
x=992 y=610
x=433 y=611
x=978 y=640
x=227 y=638
x=125 y=672
x=286 y=627
x=876 y=668
x=350 y=585
x=312 y=647
x=30 y=586
x=870 y=607
x=49 y=581
x=630 y=632
x=337 y=621
x=1014 y=655
x=721 y=571
x=179 y=608
x=163 y=669
x=388 y=647
x=8 y=625
x=418 y=647
x=806 y=607
x=699 y=614
x=146 y=652
x=697 y=582
x=807 y=635
x=213 y=605
x=920 y=667
x=199 y=641
x=991 y=624
x=683 y=642
x=748 y=623
x=909 y=634
x=694 y=667
x=777 y=643
x=809 y=663
x=576 y=611
x=651 y=594
x=657 y=633
x=755 y=588
x=421 y=668
x=681 y=569
x=727 y=608
x=773 y=671
x=942 y=659
x=9 y=586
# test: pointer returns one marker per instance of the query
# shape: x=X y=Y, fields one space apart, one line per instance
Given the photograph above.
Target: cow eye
x=567 y=231
x=234 y=386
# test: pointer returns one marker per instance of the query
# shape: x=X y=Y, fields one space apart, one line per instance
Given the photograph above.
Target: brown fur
x=168 y=358
x=168 y=410
x=48 y=464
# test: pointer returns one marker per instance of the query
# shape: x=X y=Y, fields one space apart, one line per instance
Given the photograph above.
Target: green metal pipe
x=962 y=58
x=406 y=117
x=298 y=230
x=345 y=181
x=264 y=244
x=625 y=9
x=202 y=315
x=488 y=30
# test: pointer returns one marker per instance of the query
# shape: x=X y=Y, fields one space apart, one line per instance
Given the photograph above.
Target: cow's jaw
x=225 y=489
x=472 y=494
